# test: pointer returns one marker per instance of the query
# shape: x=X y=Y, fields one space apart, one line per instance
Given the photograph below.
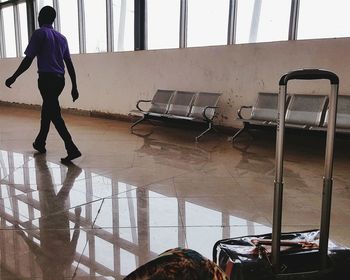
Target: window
x=163 y=224
x=123 y=21
x=207 y=22
x=95 y=21
x=262 y=20
x=329 y=19
x=163 y=24
x=42 y=3
x=9 y=31
x=69 y=23
x=194 y=228
x=22 y=9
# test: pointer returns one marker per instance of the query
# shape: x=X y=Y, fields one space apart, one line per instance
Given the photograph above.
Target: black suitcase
x=295 y=255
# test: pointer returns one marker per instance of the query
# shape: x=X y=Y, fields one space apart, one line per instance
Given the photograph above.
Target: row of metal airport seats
x=304 y=111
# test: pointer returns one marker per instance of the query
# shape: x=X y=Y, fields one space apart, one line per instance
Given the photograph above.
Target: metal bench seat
x=181 y=105
x=204 y=105
x=264 y=112
x=343 y=114
x=303 y=111
x=306 y=110
x=159 y=105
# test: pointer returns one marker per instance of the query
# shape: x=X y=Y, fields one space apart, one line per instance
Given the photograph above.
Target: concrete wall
x=113 y=82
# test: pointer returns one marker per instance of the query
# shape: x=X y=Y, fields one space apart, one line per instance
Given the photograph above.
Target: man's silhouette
x=51 y=50
x=57 y=249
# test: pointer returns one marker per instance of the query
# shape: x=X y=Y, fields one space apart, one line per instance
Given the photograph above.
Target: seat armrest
x=239 y=112
x=141 y=101
x=205 y=110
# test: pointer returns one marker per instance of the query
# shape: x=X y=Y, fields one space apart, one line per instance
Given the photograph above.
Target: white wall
x=113 y=82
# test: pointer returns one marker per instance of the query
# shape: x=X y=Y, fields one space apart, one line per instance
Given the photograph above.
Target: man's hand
x=75 y=94
x=10 y=81
x=25 y=64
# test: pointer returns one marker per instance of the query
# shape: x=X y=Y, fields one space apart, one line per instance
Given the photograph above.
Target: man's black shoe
x=71 y=156
x=40 y=149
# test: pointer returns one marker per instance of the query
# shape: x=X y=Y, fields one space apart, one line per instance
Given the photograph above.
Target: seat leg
x=239 y=132
x=206 y=131
x=137 y=122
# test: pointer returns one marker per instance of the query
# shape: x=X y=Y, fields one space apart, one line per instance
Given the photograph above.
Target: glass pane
x=195 y=238
x=123 y=21
x=69 y=23
x=330 y=19
x=207 y=22
x=128 y=261
x=262 y=21
x=9 y=31
x=43 y=3
x=104 y=254
x=163 y=23
x=95 y=22
x=22 y=8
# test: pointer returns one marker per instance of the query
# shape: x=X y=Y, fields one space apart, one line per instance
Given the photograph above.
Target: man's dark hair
x=47 y=15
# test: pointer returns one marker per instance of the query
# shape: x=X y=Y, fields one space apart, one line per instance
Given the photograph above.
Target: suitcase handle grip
x=309 y=74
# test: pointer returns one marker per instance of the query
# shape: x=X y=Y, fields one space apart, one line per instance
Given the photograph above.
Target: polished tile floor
x=132 y=196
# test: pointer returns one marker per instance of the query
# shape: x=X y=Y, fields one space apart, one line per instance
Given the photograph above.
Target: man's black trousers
x=51 y=86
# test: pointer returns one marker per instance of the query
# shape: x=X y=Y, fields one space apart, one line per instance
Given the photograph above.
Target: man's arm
x=71 y=72
x=25 y=64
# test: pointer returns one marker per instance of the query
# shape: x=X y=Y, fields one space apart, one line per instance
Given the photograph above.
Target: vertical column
x=58 y=16
x=232 y=23
x=109 y=25
x=2 y=38
x=121 y=30
x=225 y=223
x=30 y=17
x=182 y=222
x=81 y=22
x=116 y=226
x=90 y=236
x=17 y=30
x=143 y=225
x=293 y=21
x=140 y=25
x=254 y=28
x=183 y=24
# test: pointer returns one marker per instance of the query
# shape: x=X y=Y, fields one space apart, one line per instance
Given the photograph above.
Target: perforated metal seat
x=204 y=105
x=159 y=105
x=264 y=112
x=265 y=108
x=306 y=110
x=343 y=113
x=160 y=101
x=180 y=104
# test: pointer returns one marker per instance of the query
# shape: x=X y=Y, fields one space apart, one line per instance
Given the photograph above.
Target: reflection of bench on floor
x=175 y=155
x=181 y=105
x=303 y=111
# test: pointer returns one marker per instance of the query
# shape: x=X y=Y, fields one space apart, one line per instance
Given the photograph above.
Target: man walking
x=51 y=50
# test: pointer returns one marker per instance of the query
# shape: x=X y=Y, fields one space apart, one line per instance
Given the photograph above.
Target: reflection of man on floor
x=56 y=251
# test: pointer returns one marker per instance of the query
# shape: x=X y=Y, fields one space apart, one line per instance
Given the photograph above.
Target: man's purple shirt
x=50 y=47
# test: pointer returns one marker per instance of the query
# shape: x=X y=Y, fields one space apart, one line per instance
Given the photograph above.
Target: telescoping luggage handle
x=304 y=74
